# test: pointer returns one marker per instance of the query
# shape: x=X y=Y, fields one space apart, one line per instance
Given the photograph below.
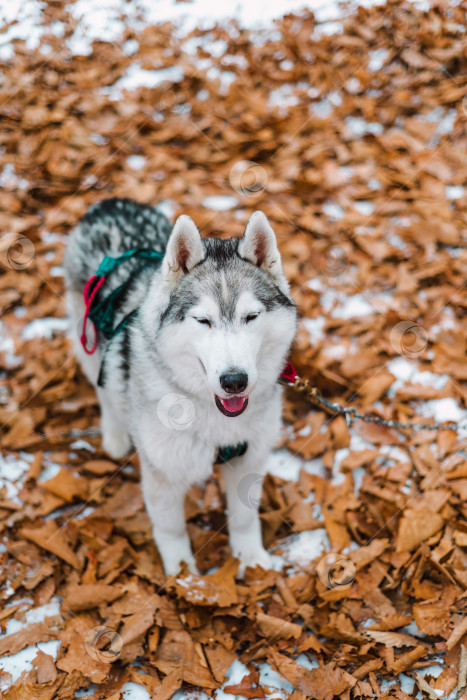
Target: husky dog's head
x=225 y=317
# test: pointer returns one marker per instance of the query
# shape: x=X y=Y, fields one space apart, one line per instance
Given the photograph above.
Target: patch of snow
x=353 y=307
x=446 y=125
x=364 y=207
x=315 y=328
x=283 y=97
x=269 y=678
x=82 y=445
x=358 y=475
x=407 y=683
x=12 y=471
x=203 y=14
x=234 y=675
x=220 y=203
x=136 y=162
x=307 y=662
x=358 y=127
x=303 y=547
x=44 y=328
x=134 y=691
x=412 y=629
x=377 y=59
x=393 y=452
x=9 y=180
x=454 y=191
x=22 y=661
x=7 y=347
x=336 y=352
x=137 y=77
x=406 y=371
x=28 y=28
x=167 y=207
x=333 y=210
x=316 y=284
x=130 y=47
x=19 y=311
x=48 y=471
x=315 y=466
x=322 y=109
x=443 y=410
x=284 y=464
x=191 y=695
x=226 y=78
x=84 y=513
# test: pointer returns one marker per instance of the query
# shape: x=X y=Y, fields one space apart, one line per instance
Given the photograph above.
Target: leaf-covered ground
x=351 y=136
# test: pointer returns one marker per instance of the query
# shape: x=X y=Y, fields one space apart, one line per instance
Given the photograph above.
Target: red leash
x=89 y=292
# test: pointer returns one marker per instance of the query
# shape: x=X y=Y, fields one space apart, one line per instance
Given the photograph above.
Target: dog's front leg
x=165 y=501
x=243 y=478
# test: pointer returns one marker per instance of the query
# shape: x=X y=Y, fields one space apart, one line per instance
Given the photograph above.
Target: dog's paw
x=257 y=557
x=116 y=444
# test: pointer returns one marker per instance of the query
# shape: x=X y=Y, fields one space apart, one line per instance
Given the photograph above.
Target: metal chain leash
x=351 y=414
x=314 y=396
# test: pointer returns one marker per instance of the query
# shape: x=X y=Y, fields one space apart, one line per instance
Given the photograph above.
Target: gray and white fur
x=195 y=368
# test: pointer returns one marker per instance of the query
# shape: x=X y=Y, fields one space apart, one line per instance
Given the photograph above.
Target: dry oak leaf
x=30 y=691
x=415 y=527
x=432 y=618
x=53 y=539
x=405 y=661
x=392 y=639
x=38 y=632
x=78 y=598
x=177 y=651
x=366 y=554
x=321 y=683
x=100 y=467
x=213 y=589
x=277 y=628
x=45 y=667
x=67 y=485
x=76 y=656
x=219 y=659
x=457 y=633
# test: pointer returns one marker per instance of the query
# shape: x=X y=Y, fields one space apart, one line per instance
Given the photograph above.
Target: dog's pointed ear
x=184 y=249
x=259 y=245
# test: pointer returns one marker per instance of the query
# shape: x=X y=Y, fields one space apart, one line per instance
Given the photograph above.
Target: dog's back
x=113 y=227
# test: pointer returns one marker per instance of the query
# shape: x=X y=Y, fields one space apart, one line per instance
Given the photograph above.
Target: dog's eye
x=251 y=317
x=204 y=321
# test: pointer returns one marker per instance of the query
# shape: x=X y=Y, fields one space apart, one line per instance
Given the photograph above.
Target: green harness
x=101 y=312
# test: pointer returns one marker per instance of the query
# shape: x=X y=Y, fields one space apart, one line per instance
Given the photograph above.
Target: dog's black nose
x=234 y=383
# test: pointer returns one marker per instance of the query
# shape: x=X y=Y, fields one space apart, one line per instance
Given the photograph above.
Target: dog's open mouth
x=233 y=406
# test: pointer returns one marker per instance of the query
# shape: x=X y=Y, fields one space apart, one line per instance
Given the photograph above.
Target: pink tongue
x=233 y=404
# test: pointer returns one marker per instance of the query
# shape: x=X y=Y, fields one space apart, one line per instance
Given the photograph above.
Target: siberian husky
x=194 y=367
